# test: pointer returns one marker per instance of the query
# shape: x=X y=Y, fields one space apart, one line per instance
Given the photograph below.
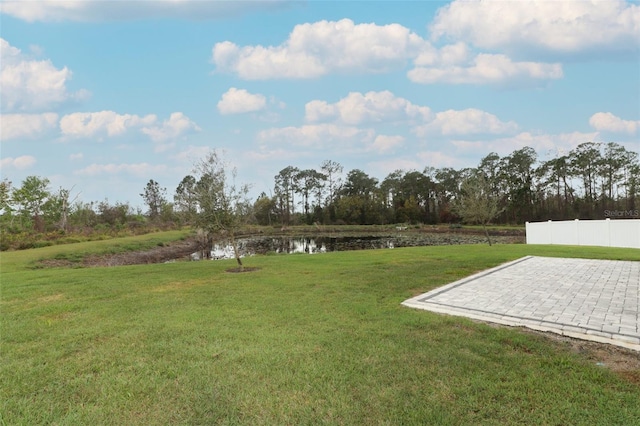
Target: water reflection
x=298 y=245
x=294 y=245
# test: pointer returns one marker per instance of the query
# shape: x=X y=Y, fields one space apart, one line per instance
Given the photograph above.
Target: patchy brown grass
x=238 y=270
x=51 y=298
x=177 y=286
x=624 y=362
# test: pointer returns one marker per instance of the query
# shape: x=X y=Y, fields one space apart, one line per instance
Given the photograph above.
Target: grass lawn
x=303 y=340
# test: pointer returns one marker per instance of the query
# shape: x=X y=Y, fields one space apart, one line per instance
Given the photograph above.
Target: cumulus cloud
x=316 y=49
x=418 y=161
x=32 y=85
x=238 y=101
x=447 y=55
x=191 y=154
x=605 y=121
x=15 y=126
x=10 y=54
x=384 y=143
x=175 y=127
x=485 y=68
x=357 y=108
x=18 y=163
x=465 y=122
x=315 y=135
x=100 y=10
x=439 y=159
x=102 y=123
x=552 y=26
x=266 y=154
x=135 y=169
x=111 y=124
x=541 y=142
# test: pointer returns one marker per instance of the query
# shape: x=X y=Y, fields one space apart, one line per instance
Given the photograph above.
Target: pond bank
x=319 y=242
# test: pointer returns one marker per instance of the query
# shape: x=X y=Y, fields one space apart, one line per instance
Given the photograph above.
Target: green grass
x=303 y=340
x=14 y=260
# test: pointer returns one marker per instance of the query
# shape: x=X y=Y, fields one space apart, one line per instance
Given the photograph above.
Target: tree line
x=589 y=182
x=586 y=183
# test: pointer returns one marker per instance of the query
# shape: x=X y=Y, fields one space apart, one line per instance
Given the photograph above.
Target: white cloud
x=553 y=26
x=10 y=54
x=238 y=101
x=316 y=49
x=384 y=143
x=14 y=126
x=421 y=159
x=486 y=69
x=19 y=163
x=76 y=157
x=176 y=126
x=111 y=124
x=192 y=154
x=100 y=10
x=357 y=108
x=136 y=169
x=541 y=143
x=447 y=55
x=439 y=159
x=102 y=123
x=605 y=121
x=32 y=85
x=279 y=155
x=316 y=135
x=465 y=122
x=386 y=166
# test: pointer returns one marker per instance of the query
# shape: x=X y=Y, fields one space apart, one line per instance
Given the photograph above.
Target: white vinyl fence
x=607 y=233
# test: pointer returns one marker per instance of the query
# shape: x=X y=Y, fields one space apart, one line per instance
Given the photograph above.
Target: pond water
x=294 y=245
x=316 y=245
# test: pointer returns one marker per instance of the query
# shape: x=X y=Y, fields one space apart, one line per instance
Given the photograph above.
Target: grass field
x=302 y=340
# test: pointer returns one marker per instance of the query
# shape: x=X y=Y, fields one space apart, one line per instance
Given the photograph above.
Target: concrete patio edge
x=427 y=301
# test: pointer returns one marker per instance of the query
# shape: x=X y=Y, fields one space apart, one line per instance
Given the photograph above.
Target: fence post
x=608 y=222
x=577 y=222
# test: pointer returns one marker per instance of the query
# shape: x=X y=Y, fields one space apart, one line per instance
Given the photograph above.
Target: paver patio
x=597 y=300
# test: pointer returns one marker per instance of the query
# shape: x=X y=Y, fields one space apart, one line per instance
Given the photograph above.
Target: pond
x=324 y=244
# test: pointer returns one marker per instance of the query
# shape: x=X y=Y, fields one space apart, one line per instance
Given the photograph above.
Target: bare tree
x=65 y=203
x=223 y=206
x=332 y=170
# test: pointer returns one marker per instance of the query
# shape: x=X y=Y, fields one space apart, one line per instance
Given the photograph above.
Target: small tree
x=263 y=209
x=31 y=197
x=5 y=198
x=155 y=198
x=223 y=206
x=184 y=199
x=477 y=203
x=64 y=204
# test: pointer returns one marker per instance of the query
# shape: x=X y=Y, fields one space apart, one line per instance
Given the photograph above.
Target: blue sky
x=103 y=96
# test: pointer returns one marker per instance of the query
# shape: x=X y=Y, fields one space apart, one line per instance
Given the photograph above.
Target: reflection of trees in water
x=293 y=245
x=313 y=245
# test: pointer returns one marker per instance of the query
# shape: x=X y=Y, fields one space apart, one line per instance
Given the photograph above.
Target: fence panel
x=607 y=233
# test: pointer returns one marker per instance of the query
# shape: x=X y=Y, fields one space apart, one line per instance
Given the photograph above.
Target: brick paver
x=588 y=299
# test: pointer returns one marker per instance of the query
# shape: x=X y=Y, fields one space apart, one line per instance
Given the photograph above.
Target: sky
x=102 y=96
